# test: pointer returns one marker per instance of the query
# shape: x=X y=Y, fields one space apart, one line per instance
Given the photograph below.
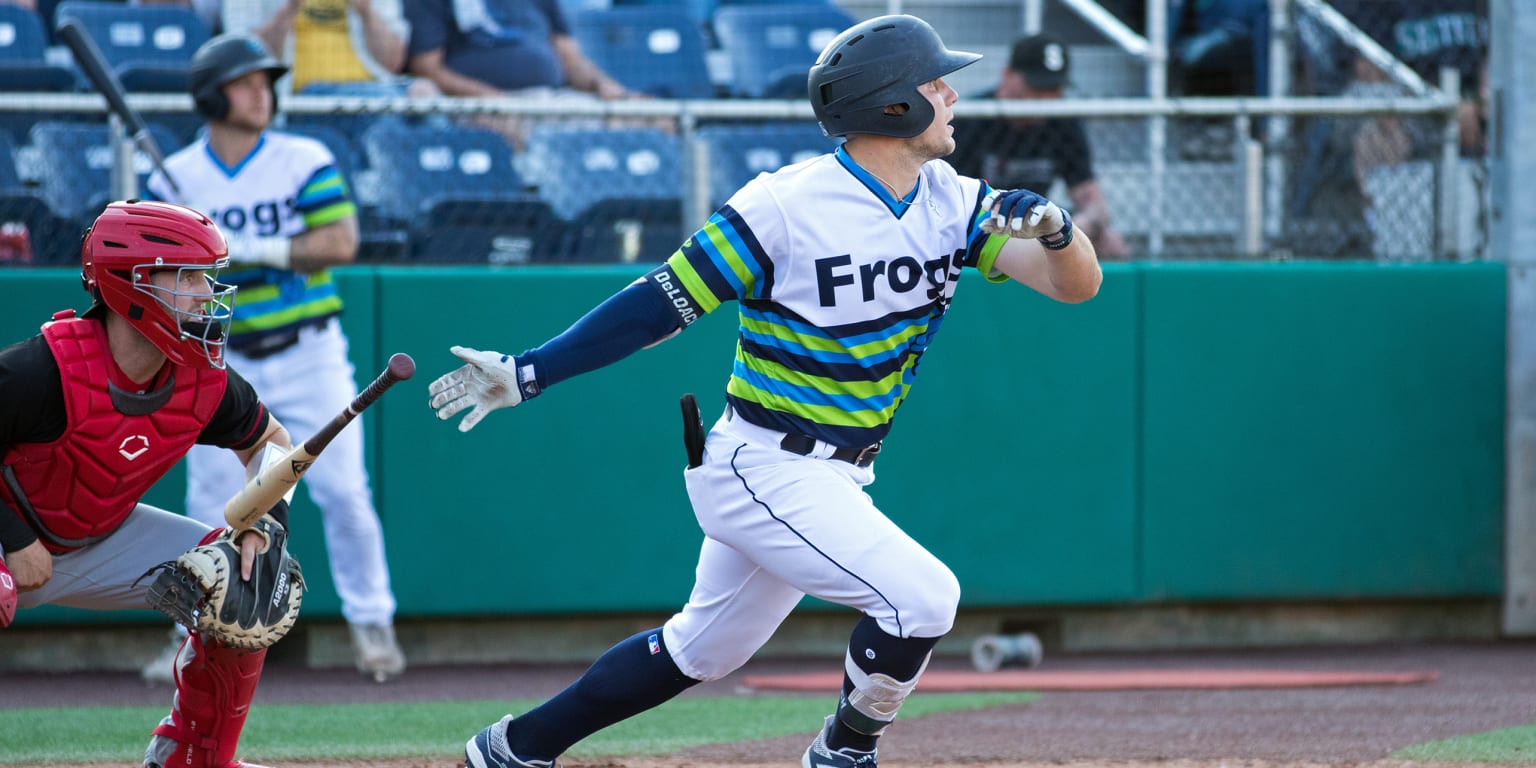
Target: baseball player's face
x=186 y=290
x=939 y=139
x=250 y=100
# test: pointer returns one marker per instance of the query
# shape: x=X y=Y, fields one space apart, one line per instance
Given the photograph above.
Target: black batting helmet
x=222 y=59
x=877 y=63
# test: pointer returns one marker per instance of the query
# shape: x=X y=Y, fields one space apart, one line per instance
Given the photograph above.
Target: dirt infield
x=1481 y=687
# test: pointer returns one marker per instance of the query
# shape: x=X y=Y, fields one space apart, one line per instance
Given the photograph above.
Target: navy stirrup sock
x=632 y=677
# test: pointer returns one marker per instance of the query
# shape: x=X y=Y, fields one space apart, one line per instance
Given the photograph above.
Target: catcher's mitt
x=203 y=590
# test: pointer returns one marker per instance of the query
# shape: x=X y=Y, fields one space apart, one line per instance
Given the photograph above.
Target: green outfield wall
x=1209 y=432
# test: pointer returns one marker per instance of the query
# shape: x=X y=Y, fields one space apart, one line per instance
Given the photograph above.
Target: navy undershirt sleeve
x=625 y=323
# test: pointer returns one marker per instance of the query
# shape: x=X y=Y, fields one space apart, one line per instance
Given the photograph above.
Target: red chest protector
x=79 y=488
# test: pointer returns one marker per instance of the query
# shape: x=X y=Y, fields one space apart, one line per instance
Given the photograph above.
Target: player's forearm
x=1074 y=271
x=1070 y=274
x=331 y=245
x=630 y=320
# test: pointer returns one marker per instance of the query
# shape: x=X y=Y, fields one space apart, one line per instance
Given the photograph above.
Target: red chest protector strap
x=79 y=488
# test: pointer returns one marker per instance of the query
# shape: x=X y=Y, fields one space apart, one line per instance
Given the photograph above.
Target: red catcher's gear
x=7 y=596
x=82 y=486
x=132 y=239
x=214 y=688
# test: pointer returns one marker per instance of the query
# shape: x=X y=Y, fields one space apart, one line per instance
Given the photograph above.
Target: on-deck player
x=842 y=268
x=289 y=217
x=93 y=411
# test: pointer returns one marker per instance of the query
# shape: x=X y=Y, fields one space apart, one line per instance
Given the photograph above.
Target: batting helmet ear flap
x=213 y=106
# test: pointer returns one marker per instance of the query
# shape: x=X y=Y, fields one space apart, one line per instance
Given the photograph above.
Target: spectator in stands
x=1423 y=34
x=487 y=48
x=355 y=47
x=1031 y=153
x=498 y=47
x=207 y=10
x=1219 y=47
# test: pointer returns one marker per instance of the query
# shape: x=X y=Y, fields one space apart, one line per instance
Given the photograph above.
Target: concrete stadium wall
x=1197 y=433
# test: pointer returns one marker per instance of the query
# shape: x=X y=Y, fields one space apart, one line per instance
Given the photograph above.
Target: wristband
x=268 y=251
x=1063 y=236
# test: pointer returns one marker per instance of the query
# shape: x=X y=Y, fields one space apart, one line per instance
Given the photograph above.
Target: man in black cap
x=1031 y=153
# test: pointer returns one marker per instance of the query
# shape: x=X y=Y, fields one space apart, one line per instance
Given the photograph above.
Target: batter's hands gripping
x=1022 y=213
x=487 y=381
x=203 y=589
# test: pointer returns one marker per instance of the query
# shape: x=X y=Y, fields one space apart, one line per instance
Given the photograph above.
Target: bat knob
x=401 y=366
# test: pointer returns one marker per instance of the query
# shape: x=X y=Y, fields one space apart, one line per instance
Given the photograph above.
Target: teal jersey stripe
x=814 y=397
x=878 y=346
x=287 y=298
x=732 y=245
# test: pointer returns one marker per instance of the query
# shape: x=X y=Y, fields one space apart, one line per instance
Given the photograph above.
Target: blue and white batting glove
x=487 y=381
x=1022 y=213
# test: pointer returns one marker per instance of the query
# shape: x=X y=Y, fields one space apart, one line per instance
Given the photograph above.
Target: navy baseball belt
x=805 y=445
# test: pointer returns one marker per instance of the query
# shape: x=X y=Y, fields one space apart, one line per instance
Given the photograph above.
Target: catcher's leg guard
x=214 y=687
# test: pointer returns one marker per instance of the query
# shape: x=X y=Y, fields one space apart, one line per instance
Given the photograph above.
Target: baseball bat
x=105 y=79
x=262 y=492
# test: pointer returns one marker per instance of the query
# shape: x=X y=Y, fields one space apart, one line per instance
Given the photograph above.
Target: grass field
x=390 y=731
x=69 y=735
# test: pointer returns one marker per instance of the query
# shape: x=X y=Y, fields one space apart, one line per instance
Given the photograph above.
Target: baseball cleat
x=819 y=755
x=377 y=653
x=489 y=749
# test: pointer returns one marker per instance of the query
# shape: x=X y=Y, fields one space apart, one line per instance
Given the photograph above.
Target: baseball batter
x=842 y=268
x=93 y=411
x=288 y=216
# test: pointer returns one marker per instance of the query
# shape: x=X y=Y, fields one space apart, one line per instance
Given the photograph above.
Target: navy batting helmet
x=225 y=58
x=877 y=63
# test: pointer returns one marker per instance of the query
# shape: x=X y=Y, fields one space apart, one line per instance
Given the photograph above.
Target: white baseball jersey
x=287 y=185
x=841 y=288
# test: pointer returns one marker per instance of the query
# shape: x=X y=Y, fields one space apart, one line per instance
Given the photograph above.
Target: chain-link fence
x=1370 y=151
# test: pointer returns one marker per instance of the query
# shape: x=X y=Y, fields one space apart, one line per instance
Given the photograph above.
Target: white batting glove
x=487 y=381
x=1022 y=213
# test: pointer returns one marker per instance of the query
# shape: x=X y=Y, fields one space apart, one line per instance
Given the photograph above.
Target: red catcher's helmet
x=132 y=239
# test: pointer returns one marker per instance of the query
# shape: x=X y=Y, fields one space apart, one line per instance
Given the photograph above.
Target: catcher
x=93 y=411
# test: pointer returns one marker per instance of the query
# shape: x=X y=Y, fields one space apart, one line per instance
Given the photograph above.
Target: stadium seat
x=658 y=50
x=771 y=46
x=149 y=46
x=79 y=156
x=455 y=190
x=23 y=62
x=383 y=239
x=738 y=153
x=620 y=190
x=29 y=233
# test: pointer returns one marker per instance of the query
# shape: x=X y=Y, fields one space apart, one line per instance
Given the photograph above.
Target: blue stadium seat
x=23 y=63
x=620 y=190
x=79 y=156
x=738 y=153
x=657 y=50
x=771 y=46
x=455 y=189
x=383 y=239
x=149 y=46
x=29 y=232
